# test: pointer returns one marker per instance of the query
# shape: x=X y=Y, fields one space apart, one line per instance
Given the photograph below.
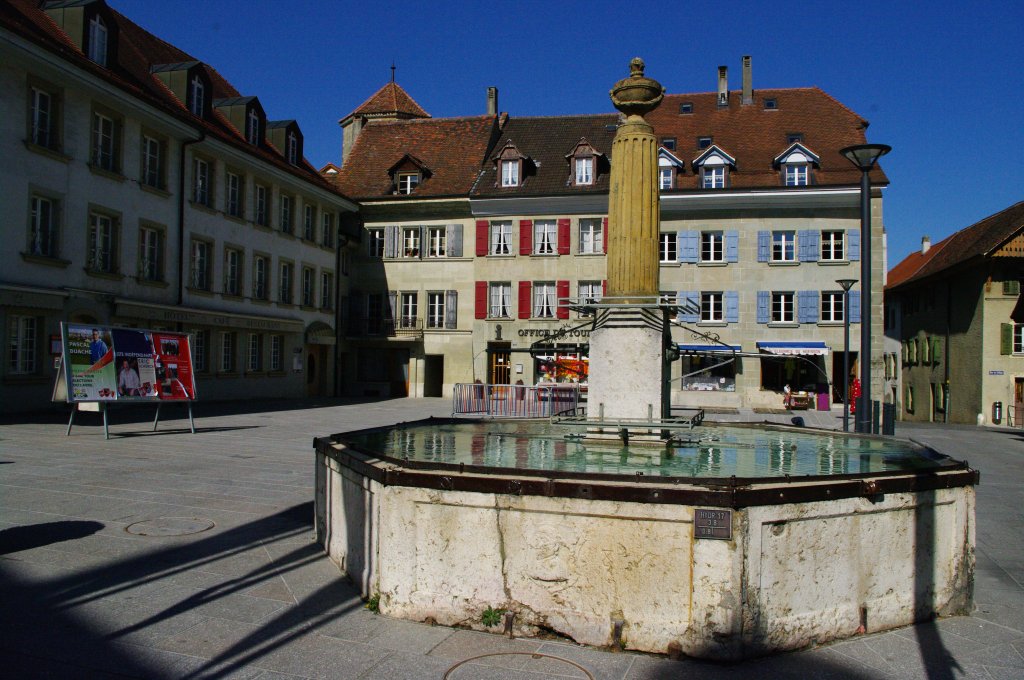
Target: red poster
x=173 y=366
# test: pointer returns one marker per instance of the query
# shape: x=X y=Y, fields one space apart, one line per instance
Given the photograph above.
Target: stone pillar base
x=625 y=367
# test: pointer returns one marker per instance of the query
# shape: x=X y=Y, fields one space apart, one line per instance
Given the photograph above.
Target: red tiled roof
x=755 y=136
x=136 y=51
x=452 y=148
x=978 y=240
x=390 y=100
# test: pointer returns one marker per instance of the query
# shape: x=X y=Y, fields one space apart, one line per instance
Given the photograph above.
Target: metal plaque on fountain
x=708 y=523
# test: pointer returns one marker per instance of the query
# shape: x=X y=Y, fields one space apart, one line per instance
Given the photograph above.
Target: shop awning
x=804 y=348
x=708 y=349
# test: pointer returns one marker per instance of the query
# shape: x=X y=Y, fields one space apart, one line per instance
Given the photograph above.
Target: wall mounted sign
x=712 y=524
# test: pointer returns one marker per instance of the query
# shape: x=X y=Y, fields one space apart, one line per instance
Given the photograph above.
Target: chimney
x=926 y=244
x=492 y=101
x=748 y=84
x=723 y=86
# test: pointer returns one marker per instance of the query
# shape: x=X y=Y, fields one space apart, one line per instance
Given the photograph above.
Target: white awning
x=807 y=348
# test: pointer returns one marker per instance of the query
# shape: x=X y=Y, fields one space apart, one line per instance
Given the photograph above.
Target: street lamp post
x=865 y=156
x=846 y=284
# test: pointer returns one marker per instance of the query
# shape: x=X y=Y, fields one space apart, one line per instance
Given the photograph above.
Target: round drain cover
x=170 y=526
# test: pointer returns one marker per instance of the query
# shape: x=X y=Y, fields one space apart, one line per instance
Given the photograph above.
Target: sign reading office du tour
x=117 y=364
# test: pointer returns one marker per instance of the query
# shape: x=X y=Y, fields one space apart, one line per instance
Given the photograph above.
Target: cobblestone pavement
x=171 y=555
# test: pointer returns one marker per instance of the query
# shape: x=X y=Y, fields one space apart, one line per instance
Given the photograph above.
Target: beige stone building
x=141 y=189
x=962 y=324
x=759 y=218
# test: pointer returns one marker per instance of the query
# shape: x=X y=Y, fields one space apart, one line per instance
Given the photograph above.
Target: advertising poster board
x=124 y=364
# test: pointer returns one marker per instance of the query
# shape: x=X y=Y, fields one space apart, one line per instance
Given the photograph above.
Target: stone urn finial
x=637 y=95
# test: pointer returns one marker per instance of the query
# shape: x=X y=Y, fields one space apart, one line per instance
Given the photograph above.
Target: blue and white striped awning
x=804 y=348
x=708 y=349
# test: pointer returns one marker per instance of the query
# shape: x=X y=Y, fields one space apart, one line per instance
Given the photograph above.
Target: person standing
x=787 y=396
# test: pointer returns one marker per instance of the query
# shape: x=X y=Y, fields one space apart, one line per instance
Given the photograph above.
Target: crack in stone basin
x=170 y=526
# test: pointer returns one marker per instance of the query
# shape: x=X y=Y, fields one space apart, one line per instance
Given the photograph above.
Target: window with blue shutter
x=764 y=245
x=852 y=245
x=732 y=306
x=688 y=300
x=689 y=246
x=807 y=306
x=808 y=246
x=854 y=306
x=391 y=240
x=763 y=303
x=732 y=246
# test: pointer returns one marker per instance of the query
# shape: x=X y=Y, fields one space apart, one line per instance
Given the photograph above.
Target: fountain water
x=718 y=543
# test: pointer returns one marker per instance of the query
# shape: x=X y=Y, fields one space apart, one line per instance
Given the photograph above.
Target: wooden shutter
x=480 y=307
x=732 y=246
x=807 y=306
x=688 y=245
x=525 y=306
x=453 y=240
x=852 y=245
x=564 y=235
x=604 y=241
x=732 y=306
x=525 y=237
x=854 y=306
x=764 y=246
x=688 y=300
x=482 y=234
x=1006 y=338
x=562 y=291
x=763 y=302
x=391 y=240
x=451 y=308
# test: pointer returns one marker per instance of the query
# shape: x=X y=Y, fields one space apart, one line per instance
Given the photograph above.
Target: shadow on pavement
x=56 y=626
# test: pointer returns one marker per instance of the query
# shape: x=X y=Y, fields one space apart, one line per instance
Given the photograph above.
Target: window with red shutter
x=482 y=229
x=562 y=290
x=525 y=301
x=525 y=237
x=564 y=232
x=481 y=300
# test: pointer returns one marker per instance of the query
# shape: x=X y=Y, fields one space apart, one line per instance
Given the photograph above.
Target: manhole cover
x=170 y=526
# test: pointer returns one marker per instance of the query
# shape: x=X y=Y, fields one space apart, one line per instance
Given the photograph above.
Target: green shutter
x=935 y=351
x=1006 y=338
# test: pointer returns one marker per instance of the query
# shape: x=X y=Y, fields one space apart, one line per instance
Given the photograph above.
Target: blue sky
x=941 y=82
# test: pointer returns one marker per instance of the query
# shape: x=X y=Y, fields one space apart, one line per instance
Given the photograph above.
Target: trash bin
x=997 y=412
x=823 y=402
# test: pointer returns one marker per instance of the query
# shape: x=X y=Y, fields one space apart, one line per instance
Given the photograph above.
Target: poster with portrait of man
x=133 y=360
x=89 y=363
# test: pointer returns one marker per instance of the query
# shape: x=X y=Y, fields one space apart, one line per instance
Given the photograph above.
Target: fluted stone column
x=626 y=365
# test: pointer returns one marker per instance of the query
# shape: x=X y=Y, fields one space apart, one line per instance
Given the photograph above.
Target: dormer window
x=714 y=165
x=796 y=165
x=510 y=173
x=771 y=104
x=293 y=148
x=686 y=107
x=704 y=142
x=669 y=167
x=669 y=143
x=98 y=40
x=252 y=127
x=197 y=96
x=407 y=182
x=584 y=171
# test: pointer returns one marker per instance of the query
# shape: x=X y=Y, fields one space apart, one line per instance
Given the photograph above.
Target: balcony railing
x=405 y=327
x=515 y=401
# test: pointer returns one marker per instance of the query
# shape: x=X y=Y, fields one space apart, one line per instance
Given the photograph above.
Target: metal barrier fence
x=515 y=401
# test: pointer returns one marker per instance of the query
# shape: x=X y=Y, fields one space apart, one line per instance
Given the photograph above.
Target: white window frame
x=437 y=242
x=712 y=307
x=152 y=162
x=585 y=171
x=102 y=243
x=232 y=271
x=98 y=40
x=104 y=142
x=409 y=305
x=252 y=132
x=713 y=177
x=260 y=265
x=499 y=300
x=286 y=216
x=712 y=246
x=326 y=290
x=150 y=254
x=285 y=294
x=501 y=237
x=309 y=222
x=797 y=175
x=545 y=299
x=233 y=194
x=783 y=247
x=1018 y=339
x=227 y=352
x=22 y=344
x=510 y=173
x=833 y=245
x=545 y=237
x=832 y=310
x=199 y=345
x=411 y=242
x=435 y=309
x=665 y=178
x=293 y=148
x=783 y=309
x=668 y=247
x=407 y=182
x=201 y=193
x=590 y=291
x=254 y=364
x=308 y=287
x=42 y=117
x=260 y=204
x=591 y=236
x=200 y=264
x=327 y=229
x=44 y=229
x=375 y=242
x=197 y=95
x=275 y=352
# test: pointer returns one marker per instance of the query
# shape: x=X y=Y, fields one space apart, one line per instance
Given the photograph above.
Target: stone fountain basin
x=810 y=559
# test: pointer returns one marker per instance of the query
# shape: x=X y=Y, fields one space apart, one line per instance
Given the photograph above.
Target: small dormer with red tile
x=670 y=167
x=90 y=25
x=390 y=102
x=512 y=166
x=796 y=165
x=585 y=164
x=407 y=174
